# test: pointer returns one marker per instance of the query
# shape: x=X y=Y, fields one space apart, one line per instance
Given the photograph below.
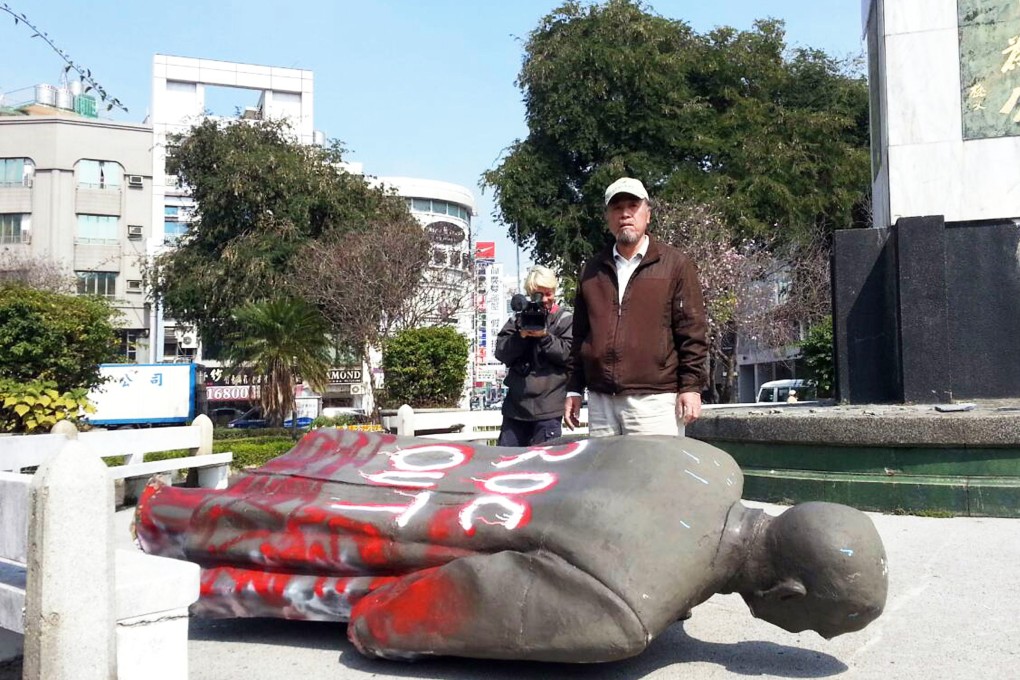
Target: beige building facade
x=78 y=191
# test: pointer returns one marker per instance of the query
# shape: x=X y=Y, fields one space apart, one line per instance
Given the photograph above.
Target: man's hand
x=688 y=407
x=533 y=334
x=572 y=412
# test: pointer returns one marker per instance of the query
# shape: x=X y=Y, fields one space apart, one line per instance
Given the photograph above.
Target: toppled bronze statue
x=581 y=552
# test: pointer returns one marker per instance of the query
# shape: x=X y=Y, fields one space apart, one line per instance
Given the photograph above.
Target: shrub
x=337 y=421
x=37 y=406
x=425 y=367
x=54 y=337
x=818 y=360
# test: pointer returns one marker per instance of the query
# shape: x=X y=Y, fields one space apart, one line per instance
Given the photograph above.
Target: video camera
x=531 y=313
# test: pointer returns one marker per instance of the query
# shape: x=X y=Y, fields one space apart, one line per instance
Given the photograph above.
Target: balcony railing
x=14 y=239
x=104 y=186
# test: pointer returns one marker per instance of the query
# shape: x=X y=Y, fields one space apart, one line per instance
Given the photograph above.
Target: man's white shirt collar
x=625 y=268
x=640 y=253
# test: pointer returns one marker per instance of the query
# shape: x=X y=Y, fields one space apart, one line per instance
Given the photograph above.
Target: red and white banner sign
x=230 y=392
x=485 y=250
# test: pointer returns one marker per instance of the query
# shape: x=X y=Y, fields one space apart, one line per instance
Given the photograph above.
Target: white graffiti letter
x=526 y=482
x=515 y=512
x=400 y=478
x=547 y=453
x=401 y=459
x=404 y=513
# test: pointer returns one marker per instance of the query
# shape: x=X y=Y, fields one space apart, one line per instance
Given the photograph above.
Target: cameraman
x=536 y=378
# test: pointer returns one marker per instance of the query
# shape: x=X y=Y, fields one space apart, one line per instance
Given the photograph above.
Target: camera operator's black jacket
x=536 y=376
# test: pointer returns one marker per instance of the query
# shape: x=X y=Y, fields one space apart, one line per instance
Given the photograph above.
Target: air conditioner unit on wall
x=186 y=337
x=134 y=231
x=136 y=181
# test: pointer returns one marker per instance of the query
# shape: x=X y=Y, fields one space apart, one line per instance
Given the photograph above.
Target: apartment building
x=76 y=190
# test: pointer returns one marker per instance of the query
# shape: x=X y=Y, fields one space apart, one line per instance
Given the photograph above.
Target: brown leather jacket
x=654 y=342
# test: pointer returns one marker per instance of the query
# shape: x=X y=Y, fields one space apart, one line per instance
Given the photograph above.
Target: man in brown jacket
x=639 y=329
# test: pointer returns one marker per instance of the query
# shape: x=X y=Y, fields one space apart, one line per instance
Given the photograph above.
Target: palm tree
x=278 y=339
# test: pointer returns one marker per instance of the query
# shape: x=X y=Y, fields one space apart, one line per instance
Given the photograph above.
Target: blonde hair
x=540 y=277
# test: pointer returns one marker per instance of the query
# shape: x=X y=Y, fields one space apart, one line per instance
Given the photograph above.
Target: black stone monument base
x=927 y=312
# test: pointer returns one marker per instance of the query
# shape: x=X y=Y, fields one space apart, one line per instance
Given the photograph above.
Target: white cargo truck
x=141 y=395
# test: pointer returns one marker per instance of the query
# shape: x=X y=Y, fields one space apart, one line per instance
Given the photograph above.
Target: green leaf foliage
x=38 y=405
x=819 y=363
x=425 y=367
x=54 y=337
x=279 y=339
x=261 y=196
x=775 y=138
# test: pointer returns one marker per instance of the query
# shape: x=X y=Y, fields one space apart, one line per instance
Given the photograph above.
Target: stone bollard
x=405 y=421
x=205 y=427
x=66 y=428
x=69 y=602
x=208 y=477
x=70 y=430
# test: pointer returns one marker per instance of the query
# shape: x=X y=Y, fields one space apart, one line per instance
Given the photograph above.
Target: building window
x=171 y=211
x=129 y=340
x=13 y=228
x=439 y=207
x=98 y=229
x=16 y=172
x=99 y=174
x=174 y=231
x=103 y=284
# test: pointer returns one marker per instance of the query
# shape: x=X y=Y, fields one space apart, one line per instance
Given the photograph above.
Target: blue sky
x=420 y=88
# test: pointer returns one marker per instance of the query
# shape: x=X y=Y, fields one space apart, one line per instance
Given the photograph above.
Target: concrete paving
x=953 y=612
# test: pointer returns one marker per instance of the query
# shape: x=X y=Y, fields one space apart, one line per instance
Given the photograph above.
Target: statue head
x=825 y=571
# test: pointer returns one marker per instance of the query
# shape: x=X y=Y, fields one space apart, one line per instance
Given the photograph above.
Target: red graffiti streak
x=405 y=613
x=234 y=591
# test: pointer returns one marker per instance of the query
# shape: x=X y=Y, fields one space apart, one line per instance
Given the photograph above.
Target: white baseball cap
x=626 y=185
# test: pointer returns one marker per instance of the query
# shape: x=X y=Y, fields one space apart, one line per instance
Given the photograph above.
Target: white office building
x=182 y=88
x=445 y=211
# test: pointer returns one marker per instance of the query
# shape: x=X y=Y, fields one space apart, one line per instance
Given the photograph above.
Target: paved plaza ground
x=953 y=612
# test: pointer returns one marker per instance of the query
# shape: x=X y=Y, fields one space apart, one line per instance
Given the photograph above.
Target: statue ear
x=787 y=589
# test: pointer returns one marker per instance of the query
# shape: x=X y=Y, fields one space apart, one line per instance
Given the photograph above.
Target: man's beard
x=628 y=236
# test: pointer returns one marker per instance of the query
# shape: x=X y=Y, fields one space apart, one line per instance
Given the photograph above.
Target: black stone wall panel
x=983 y=286
x=865 y=316
x=923 y=309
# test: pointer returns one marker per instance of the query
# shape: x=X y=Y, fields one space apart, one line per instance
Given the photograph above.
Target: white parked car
x=780 y=391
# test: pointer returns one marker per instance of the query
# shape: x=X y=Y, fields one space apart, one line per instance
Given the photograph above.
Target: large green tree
x=54 y=337
x=261 y=198
x=775 y=139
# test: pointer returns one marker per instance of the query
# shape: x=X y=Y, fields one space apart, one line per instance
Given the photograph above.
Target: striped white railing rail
x=456 y=425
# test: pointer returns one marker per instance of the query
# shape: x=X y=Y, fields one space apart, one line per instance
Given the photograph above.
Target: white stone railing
x=79 y=608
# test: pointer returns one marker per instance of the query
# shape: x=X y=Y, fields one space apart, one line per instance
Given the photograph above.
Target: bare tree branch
x=36 y=272
x=69 y=64
x=767 y=296
x=730 y=271
x=362 y=281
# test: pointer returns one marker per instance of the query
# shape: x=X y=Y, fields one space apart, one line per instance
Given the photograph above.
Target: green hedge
x=248 y=451
x=251 y=448
x=225 y=433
